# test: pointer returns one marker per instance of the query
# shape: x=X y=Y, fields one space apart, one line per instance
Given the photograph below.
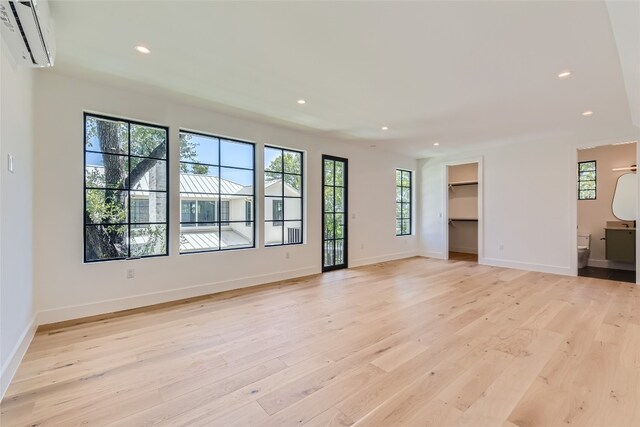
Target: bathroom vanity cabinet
x=620 y=244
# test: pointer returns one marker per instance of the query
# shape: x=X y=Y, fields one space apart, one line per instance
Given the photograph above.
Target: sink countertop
x=620 y=228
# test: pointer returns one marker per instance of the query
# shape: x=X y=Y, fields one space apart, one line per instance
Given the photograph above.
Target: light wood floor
x=460 y=256
x=412 y=342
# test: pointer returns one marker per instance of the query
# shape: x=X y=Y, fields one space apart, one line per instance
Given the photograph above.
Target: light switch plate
x=10 y=163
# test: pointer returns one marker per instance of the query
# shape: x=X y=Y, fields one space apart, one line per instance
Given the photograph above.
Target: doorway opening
x=462 y=211
x=334 y=213
x=607 y=193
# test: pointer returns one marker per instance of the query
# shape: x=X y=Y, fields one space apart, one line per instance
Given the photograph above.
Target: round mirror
x=625 y=197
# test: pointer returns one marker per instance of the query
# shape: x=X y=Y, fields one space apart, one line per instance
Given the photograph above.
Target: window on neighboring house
x=206 y=211
x=248 y=210
x=587 y=180
x=188 y=212
x=283 y=195
x=125 y=189
x=217 y=177
x=403 y=202
x=224 y=212
x=278 y=212
x=140 y=210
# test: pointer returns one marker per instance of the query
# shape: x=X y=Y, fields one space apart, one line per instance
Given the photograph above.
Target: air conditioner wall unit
x=27 y=31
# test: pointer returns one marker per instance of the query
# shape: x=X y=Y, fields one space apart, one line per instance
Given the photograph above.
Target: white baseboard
x=542 y=268
x=429 y=254
x=382 y=258
x=463 y=250
x=109 y=306
x=605 y=263
x=10 y=367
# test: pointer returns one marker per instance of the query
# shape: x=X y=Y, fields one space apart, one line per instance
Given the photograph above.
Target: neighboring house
x=283 y=215
x=210 y=221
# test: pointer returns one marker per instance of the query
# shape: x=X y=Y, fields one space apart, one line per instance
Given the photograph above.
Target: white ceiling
x=460 y=73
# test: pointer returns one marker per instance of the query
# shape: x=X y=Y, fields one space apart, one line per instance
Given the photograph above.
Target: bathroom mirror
x=625 y=197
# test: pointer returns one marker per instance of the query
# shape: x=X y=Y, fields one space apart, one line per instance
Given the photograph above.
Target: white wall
x=464 y=172
x=16 y=285
x=529 y=204
x=67 y=288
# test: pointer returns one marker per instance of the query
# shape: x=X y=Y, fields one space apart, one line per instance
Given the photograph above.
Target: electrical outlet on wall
x=131 y=273
x=501 y=247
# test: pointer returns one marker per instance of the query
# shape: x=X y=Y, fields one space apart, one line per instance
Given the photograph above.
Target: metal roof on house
x=195 y=184
x=203 y=185
x=191 y=240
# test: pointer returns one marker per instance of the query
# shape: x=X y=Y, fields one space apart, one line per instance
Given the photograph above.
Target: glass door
x=334 y=213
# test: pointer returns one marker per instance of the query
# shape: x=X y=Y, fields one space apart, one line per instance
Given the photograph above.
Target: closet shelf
x=463 y=219
x=459 y=183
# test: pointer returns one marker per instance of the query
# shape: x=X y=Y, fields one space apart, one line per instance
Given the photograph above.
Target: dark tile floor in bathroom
x=608 y=274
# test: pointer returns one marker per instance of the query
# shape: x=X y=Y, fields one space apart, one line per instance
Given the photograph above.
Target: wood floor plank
x=330 y=418
x=474 y=381
x=435 y=413
x=416 y=342
x=250 y=392
x=405 y=404
x=375 y=394
x=397 y=356
x=304 y=410
x=250 y=414
x=499 y=399
x=173 y=407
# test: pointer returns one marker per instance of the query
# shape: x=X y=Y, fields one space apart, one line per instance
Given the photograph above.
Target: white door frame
x=445 y=230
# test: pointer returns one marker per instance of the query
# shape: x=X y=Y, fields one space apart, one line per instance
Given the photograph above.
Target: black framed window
x=335 y=198
x=217 y=180
x=403 y=202
x=283 y=195
x=125 y=189
x=587 y=180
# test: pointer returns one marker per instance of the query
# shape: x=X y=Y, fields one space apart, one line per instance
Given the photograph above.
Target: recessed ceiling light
x=301 y=101
x=436 y=144
x=385 y=127
x=143 y=49
x=564 y=74
x=587 y=113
